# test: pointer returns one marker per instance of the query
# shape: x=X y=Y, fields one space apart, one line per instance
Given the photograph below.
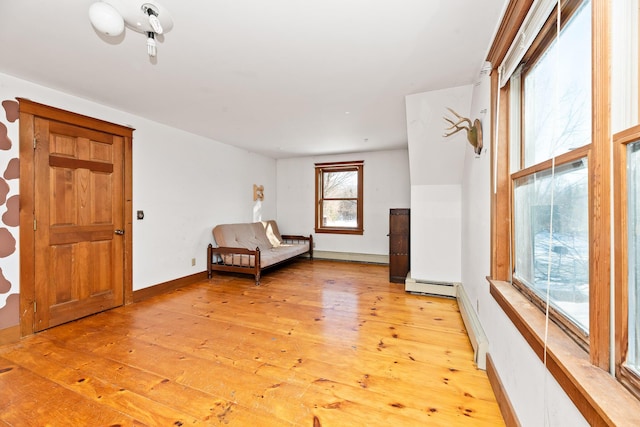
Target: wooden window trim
x=568 y=157
x=501 y=226
x=600 y=188
x=599 y=215
x=321 y=168
x=562 y=322
x=598 y=396
x=583 y=376
x=512 y=20
x=620 y=140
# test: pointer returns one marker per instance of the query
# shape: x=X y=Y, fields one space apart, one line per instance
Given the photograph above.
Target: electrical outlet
x=193 y=262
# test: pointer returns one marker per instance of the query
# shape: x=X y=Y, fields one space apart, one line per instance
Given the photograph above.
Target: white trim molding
x=350 y=256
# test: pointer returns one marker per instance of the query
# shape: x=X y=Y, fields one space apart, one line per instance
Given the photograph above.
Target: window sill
x=339 y=231
x=600 y=398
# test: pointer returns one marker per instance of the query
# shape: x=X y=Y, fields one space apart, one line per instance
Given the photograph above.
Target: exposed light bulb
x=151 y=44
x=153 y=18
x=155 y=23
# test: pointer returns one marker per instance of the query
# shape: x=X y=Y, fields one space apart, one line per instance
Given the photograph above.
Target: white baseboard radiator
x=476 y=334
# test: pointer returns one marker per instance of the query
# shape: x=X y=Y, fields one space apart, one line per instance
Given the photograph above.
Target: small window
x=339 y=197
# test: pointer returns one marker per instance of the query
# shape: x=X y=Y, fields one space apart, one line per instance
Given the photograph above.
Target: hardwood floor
x=319 y=343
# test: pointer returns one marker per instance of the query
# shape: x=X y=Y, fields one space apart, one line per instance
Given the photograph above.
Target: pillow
x=272 y=232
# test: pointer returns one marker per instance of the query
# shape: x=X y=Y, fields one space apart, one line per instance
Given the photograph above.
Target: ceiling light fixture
x=109 y=17
x=106 y=19
x=153 y=17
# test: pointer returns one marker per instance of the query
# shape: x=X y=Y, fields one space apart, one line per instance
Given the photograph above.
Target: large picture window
x=339 y=197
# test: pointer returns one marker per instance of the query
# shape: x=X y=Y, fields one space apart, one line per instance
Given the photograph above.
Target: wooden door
x=398 y=245
x=79 y=222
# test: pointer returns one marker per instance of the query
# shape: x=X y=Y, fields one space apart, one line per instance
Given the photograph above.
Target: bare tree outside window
x=340 y=197
x=551 y=201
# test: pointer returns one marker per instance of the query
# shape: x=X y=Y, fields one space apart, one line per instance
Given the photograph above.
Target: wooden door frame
x=29 y=109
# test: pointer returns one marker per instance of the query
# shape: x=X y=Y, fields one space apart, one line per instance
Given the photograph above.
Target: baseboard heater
x=440 y=289
x=476 y=334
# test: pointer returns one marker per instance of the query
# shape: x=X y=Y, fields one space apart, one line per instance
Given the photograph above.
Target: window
x=633 y=239
x=339 y=197
x=550 y=180
x=552 y=239
x=628 y=257
x=626 y=190
x=556 y=100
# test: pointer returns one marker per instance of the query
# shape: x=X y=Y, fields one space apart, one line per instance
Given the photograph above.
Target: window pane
x=557 y=94
x=338 y=185
x=552 y=245
x=633 y=185
x=340 y=213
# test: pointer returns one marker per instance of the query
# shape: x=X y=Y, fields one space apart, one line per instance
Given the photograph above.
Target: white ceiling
x=283 y=78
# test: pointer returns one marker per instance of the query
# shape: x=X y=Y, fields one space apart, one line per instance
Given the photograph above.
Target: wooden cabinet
x=399 y=232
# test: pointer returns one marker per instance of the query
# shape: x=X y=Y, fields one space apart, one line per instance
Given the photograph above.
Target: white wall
x=476 y=206
x=436 y=176
x=534 y=393
x=386 y=186
x=435 y=233
x=186 y=184
x=434 y=159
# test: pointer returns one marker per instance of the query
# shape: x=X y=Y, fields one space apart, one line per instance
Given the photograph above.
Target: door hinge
x=35 y=225
x=35 y=307
x=35 y=142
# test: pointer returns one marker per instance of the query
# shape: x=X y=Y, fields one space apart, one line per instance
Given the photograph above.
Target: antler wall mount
x=474 y=130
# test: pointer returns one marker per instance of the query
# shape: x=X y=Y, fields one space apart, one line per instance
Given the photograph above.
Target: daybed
x=253 y=247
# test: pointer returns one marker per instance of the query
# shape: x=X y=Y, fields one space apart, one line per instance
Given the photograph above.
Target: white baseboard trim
x=476 y=334
x=350 y=256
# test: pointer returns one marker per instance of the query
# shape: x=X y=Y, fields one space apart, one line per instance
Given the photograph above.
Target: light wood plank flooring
x=319 y=343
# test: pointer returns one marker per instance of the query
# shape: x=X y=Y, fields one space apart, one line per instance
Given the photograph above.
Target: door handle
x=119 y=232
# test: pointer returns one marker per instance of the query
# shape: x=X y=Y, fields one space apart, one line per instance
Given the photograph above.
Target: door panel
x=78 y=201
x=399 y=224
